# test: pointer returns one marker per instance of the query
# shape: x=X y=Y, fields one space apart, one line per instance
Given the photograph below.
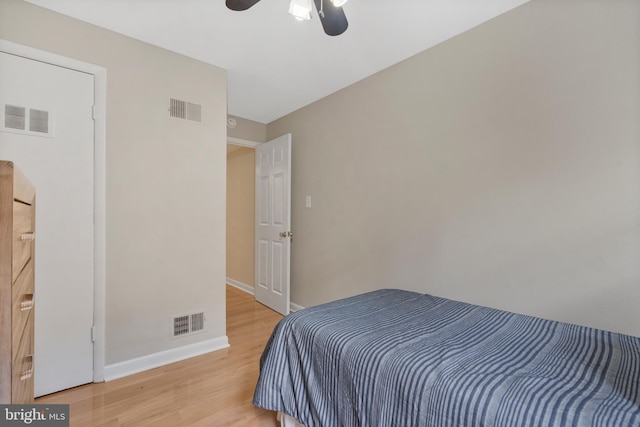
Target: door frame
x=293 y=307
x=99 y=140
x=249 y=144
x=243 y=142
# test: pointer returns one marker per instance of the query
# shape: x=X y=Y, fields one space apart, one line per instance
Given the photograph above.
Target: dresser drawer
x=23 y=236
x=23 y=303
x=17 y=265
x=22 y=367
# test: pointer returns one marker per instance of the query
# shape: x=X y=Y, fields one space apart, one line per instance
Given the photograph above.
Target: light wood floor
x=210 y=390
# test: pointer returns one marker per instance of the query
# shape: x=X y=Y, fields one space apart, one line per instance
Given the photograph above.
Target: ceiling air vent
x=188 y=324
x=185 y=110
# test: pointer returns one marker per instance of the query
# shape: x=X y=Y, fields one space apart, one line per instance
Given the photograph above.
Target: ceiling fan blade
x=334 y=22
x=240 y=4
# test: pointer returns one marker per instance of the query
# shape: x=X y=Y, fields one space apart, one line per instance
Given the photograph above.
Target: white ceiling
x=275 y=63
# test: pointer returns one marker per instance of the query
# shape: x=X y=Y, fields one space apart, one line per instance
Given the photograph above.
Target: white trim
x=242 y=286
x=150 y=361
x=48 y=57
x=100 y=218
x=242 y=142
x=295 y=307
x=100 y=99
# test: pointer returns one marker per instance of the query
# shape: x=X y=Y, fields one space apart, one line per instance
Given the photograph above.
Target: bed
x=398 y=358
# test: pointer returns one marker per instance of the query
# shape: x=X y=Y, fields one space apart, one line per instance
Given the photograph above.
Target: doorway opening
x=271 y=216
x=241 y=214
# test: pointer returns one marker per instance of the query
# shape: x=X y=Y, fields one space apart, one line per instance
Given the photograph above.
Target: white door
x=273 y=223
x=47 y=131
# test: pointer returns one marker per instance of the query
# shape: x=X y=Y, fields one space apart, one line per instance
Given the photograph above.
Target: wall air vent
x=188 y=324
x=38 y=121
x=15 y=117
x=26 y=121
x=197 y=322
x=185 y=110
x=180 y=325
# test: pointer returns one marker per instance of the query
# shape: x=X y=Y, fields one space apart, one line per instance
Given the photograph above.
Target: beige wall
x=501 y=167
x=240 y=214
x=248 y=129
x=165 y=189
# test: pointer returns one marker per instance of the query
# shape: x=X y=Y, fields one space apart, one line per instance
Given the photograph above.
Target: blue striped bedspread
x=397 y=358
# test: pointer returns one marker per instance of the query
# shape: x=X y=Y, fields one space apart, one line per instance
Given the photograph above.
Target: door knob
x=284 y=234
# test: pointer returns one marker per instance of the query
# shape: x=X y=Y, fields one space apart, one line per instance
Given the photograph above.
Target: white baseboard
x=242 y=286
x=150 y=361
x=295 y=307
x=250 y=290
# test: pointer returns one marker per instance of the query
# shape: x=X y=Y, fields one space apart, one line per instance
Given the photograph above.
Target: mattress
x=399 y=358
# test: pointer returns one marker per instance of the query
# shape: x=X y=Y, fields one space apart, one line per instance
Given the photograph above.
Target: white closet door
x=47 y=130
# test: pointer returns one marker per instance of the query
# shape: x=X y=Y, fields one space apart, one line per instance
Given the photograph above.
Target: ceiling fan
x=332 y=17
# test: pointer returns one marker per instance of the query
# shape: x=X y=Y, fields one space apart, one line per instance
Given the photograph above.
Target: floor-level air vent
x=185 y=110
x=180 y=325
x=197 y=322
x=188 y=324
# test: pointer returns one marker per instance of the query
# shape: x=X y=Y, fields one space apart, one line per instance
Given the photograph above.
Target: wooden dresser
x=17 y=226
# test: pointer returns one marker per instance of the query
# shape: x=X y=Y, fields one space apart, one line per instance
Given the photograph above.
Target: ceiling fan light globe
x=338 y=3
x=301 y=9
